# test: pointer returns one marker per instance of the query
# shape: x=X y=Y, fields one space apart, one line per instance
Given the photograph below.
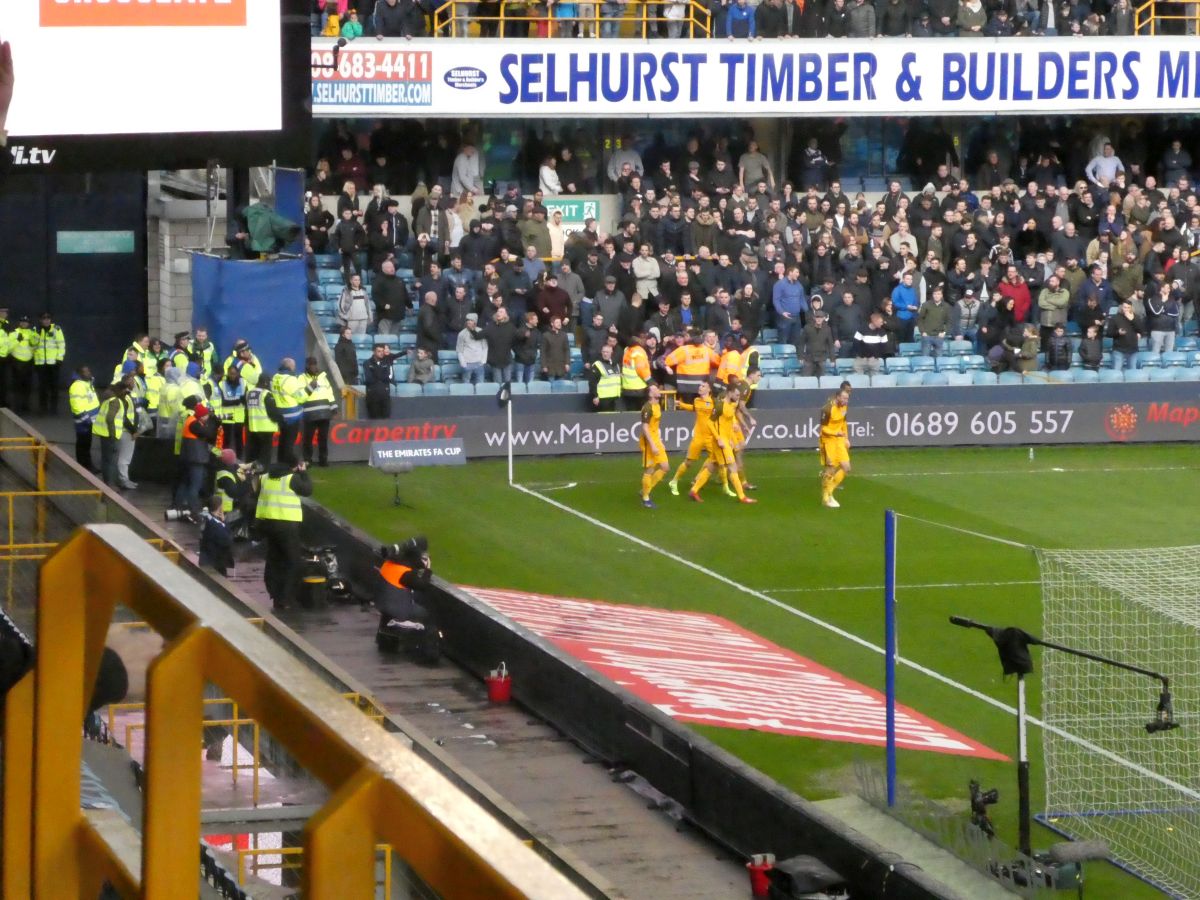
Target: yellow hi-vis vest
x=277 y=501
x=257 y=419
x=21 y=343
x=631 y=379
x=84 y=403
x=222 y=476
x=609 y=385
x=100 y=424
x=51 y=346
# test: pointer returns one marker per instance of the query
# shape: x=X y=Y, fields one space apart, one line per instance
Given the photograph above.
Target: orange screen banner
x=134 y=13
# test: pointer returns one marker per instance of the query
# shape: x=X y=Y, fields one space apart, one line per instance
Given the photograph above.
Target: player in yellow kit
x=702 y=441
x=835 y=446
x=721 y=424
x=654 y=452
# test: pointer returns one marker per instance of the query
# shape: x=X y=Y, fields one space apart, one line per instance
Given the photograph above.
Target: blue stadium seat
x=407 y=340
x=485 y=389
x=1162 y=374
x=330 y=276
x=447 y=356
x=329 y=324
x=562 y=386
x=1076 y=361
x=538 y=387
x=575 y=369
x=406 y=390
x=960 y=348
x=764 y=351
x=323 y=307
x=391 y=341
x=974 y=363
x=924 y=363
x=1108 y=376
x=400 y=371
x=1062 y=376
x=858 y=381
x=363 y=340
x=451 y=371
x=1041 y=361
x=910 y=348
x=896 y=364
x=776 y=383
x=1074 y=329
x=517 y=387
x=1186 y=343
x=1175 y=359
x=1106 y=343
x=805 y=383
x=958 y=379
x=910 y=379
x=1132 y=375
x=830 y=382
x=1191 y=327
x=983 y=377
x=935 y=379
x=1149 y=360
x=331 y=340
x=458 y=389
x=844 y=365
x=769 y=335
x=883 y=379
x=1193 y=357
x=1075 y=342
x=571 y=340
x=328 y=261
x=1011 y=378
x=1187 y=374
x=362 y=354
x=782 y=351
x=581 y=387
x=771 y=366
x=436 y=389
x=437 y=373
x=1086 y=376
x=791 y=366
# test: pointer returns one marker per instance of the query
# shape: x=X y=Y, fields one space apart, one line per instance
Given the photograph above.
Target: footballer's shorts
x=739 y=438
x=834 y=451
x=652 y=454
x=723 y=456
x=697 y=448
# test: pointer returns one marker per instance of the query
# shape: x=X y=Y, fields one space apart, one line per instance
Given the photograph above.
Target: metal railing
x=636 y=20
x=1148 y=18
x=380 y=790
x=288 y=860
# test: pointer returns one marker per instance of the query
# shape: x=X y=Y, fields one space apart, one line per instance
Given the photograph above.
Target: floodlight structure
x=1013 y=646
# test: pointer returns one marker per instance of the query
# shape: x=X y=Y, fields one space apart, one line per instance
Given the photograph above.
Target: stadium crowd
x=731 y=18
x=1032 y=260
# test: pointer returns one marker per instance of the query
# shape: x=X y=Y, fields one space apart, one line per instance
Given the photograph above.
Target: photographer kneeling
x=405 y=619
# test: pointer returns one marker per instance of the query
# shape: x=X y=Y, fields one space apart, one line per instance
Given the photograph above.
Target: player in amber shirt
x=702 y=440
x=721 y=425
x=654 y=453
x=835 y=446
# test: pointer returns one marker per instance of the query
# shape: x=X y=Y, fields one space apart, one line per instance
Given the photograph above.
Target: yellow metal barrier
x=380 y=791
x=1148 y=18
x=285 y=852
x=459 y=15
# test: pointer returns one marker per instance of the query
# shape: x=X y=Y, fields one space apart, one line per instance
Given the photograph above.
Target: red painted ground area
x=703 y=669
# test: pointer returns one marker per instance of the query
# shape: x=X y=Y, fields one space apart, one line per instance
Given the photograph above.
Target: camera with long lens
x=410 y=552
x=980 y=801
x=178 y=515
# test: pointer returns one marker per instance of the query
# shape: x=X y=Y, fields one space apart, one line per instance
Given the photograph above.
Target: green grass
x=483 y=532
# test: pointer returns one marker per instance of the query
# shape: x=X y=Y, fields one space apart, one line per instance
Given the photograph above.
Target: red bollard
x=499 y=685
x=758 y=867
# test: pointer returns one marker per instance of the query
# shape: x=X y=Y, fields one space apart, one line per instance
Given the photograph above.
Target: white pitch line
x=862 y=642
x=899 y=587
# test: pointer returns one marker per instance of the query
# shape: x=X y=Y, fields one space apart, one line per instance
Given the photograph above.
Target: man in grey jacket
x=1053 y=302
x=472 y=351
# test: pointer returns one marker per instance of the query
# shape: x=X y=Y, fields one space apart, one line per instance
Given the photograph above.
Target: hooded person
x=404 y=615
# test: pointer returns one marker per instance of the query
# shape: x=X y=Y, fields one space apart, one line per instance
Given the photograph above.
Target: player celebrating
x=835 y=446
x=743 y=422
x=654 y=452
x=721 y=424
x=701 y=434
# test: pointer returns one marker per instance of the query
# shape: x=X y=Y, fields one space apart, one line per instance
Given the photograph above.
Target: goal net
x=1106 y=777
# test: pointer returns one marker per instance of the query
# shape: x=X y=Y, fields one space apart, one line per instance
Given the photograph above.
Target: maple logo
x=1121 y=422
x=134 y=13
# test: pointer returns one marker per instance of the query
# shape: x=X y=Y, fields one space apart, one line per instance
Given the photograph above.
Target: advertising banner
x=391 y=455
x=972 y=422
x=622 y=78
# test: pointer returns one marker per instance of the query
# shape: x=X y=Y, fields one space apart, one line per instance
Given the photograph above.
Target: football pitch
x=810 y=579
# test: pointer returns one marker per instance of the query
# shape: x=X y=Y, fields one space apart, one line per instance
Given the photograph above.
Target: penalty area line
x=899 y=587
x=854 y=638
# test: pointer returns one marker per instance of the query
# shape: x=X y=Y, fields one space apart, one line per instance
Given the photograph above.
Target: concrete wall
x=172 y=228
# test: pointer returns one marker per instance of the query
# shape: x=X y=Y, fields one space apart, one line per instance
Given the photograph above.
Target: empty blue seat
x=447 y=356
x=1108 y=376
x=486 y=389
x=898 y=364
x=935 y=379
x=974 y=363
x=769 y=335
x=910 y=379
x=458 y=389
x=1191 y=327
x=781 y=351
x=791 y=365
x=960 y=348
x=1187 y=374
x=1186 y=343
x=1062 y=376
x=1162 y=374
x=362 y=354
x=924 y=364
x=983 y=377
x=1011 y=378
x=406 y=390
x=1148 y=360
x=1175 y=358
x=517 y=387
x=328 y=260
x=391 y=341
x=562 y=386
x=451 y=371
x=1073 y=328
x=436 y=389
x=406 y=340
x=883 y=379
x=844 y=365
x=437 y=373
x=958 y=379
x=323 y=307
x=330 y=276
x=771 y=366
x=805 y=383
x=858 y=381
x=1132 y=375
x=400 y=371
x=363 y=340
x=910 y=348
x=538 y=387
x=1086 y=376
x=776 y=383
x=764 y=351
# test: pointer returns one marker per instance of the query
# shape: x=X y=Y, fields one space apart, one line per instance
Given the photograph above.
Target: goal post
x=1107 y=778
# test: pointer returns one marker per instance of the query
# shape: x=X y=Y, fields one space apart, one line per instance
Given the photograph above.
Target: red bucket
x=758 y=867
x=499 y=685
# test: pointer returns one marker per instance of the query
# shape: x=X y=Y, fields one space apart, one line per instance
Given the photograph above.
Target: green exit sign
x=95 y=242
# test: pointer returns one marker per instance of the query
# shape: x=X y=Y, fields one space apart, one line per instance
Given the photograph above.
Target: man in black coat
x=377 y=377
x=391 y=299
x=429 y=325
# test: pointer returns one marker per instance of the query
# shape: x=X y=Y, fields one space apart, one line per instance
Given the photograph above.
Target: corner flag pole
x=889 y=655
x=508 y=408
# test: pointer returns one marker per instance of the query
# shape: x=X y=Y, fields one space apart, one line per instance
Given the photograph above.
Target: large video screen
x=157 y=84
x=104 y=67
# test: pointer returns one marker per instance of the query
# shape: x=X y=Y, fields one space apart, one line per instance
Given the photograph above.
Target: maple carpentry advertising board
x=700 y=78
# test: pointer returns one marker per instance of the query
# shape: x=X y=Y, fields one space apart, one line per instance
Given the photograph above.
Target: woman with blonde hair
x=466 y=206
x=348 y=199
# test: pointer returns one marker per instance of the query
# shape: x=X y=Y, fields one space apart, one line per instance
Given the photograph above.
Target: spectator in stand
x=348 y=237
x=548 y=180
x=432 y=220
x=398 y=18
x=501 y=335
x=837 y=20
x=1176 y=163
x=421 y=371
x=352 y=28
x=1102 y=170
x=467 y=172
x=1091 y=348
x=317 y=223
x=1163 y=313
x=1054 y=303
x=862 y=19
x=354 y=306
x=790 y=302
x=815 y=347
x=770 y=19
x=1058 y=348
x=345 y=357
x=626 y=154
x=472 y=351
x=1126 y=330
x=556 y=351
x=904 y=301
x=894 y=18
x=333 y=26
x=933 y=319
x=429 y=324
x=872 y=345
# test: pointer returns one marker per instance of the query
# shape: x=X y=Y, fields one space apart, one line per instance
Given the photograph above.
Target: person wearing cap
x=472 y=349
x=230 y=487
x=49 y=350
x=22 y=343
x=180 y=356
x=85 y=406
x=232 y=392
x=289 y=393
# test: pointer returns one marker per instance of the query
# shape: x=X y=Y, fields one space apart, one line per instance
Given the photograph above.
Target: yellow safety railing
x=252 y=854
x=380 y=791
x=642 y=19
x=1148 y=18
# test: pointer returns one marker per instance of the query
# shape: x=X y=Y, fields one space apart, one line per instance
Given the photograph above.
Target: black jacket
x=429 y=329
x=390 y=297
